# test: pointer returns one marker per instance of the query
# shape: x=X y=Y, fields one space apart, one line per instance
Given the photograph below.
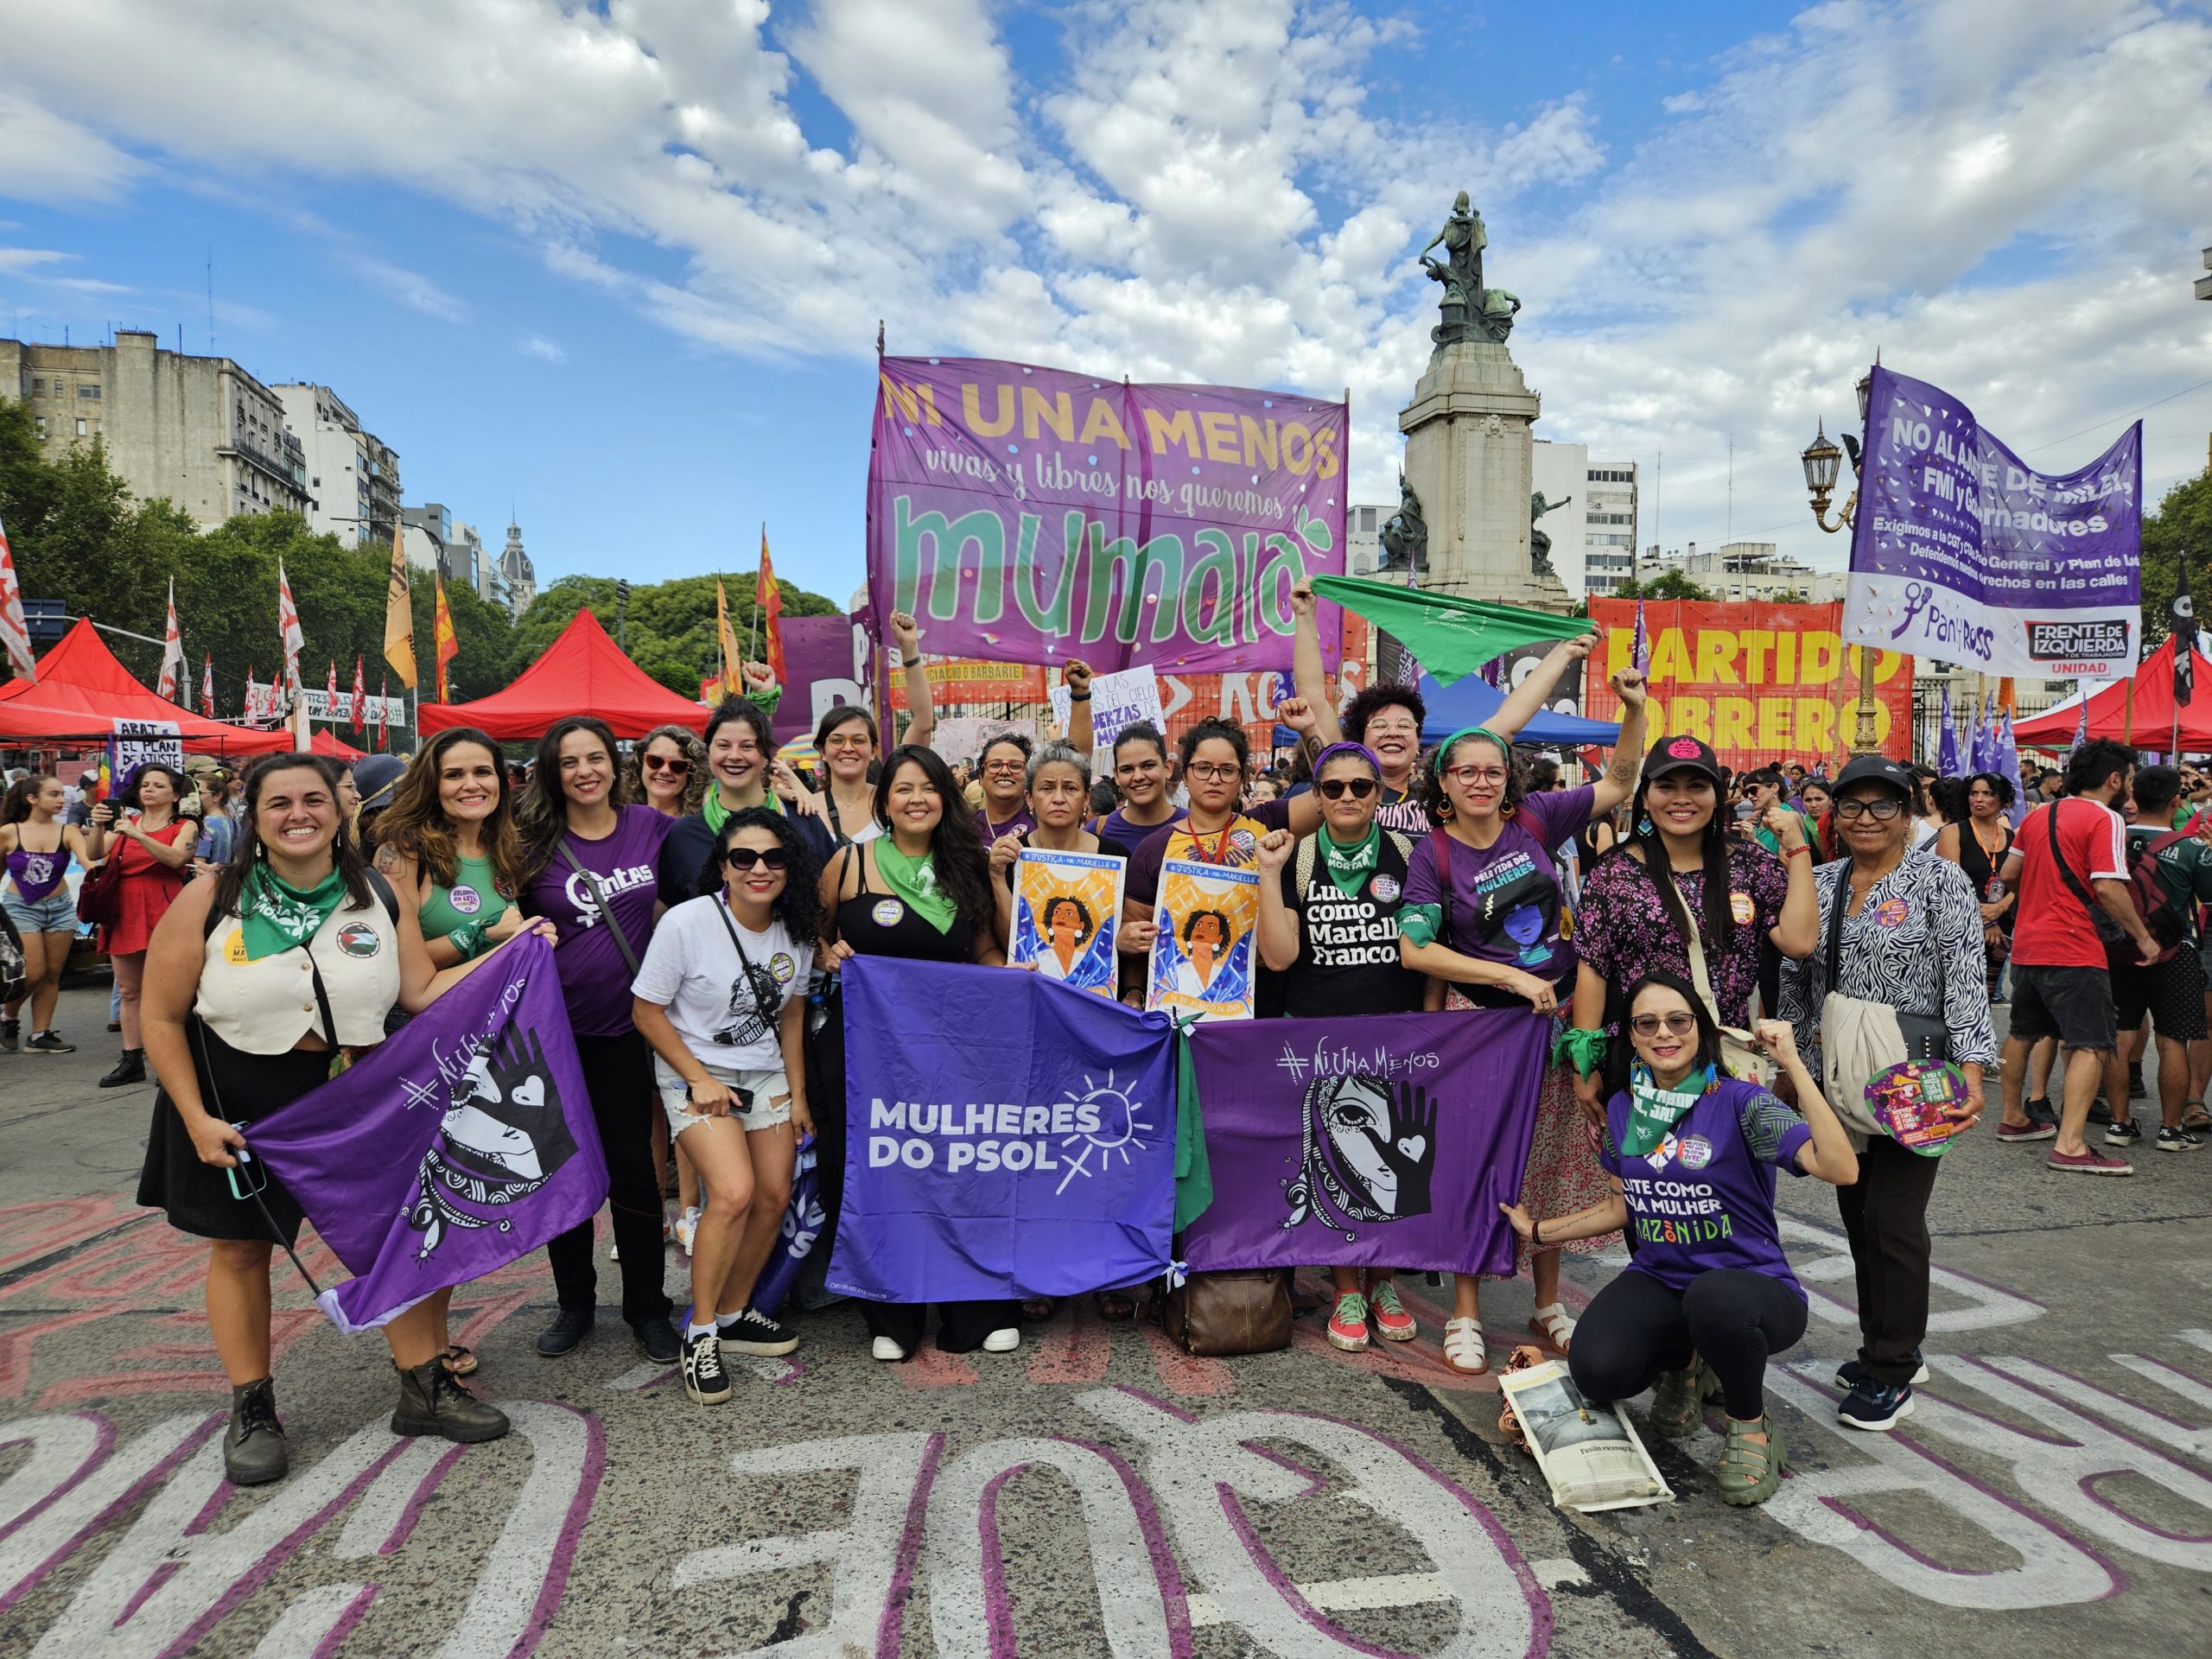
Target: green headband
x=1505 y=746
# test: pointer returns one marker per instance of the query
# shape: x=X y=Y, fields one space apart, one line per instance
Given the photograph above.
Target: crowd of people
x=1716 y=959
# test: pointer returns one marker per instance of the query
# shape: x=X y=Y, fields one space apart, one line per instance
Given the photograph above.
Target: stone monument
x=1468 y=469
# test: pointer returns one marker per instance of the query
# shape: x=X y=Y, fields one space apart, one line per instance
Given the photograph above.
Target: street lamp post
x=1823 y=463
x=622 y=615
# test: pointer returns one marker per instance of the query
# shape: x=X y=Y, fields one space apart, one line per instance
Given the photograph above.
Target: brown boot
x=432 y=1402
x=254 y=1450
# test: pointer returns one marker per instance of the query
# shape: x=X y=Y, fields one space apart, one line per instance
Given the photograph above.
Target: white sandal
x=1463 y=1343
x=1553 y=1320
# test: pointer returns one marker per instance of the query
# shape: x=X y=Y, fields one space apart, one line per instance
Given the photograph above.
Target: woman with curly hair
x=668 y=771
x=1482 y=914
x=921 y=890
x=721 y=998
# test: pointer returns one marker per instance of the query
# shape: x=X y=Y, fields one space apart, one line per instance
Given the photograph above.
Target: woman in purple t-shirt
x=596 y=859
x=1707 y=1297
x=1482 y=914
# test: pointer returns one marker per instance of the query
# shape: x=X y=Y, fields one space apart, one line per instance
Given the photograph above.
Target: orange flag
x=449 y=647
x=732 y=659
x=770 y=598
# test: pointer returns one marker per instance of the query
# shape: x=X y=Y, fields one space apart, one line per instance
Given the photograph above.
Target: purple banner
x=1963 y=553
x=460 y=1143
x=1384 y=1142
x=820 y=666
x=1028 y=515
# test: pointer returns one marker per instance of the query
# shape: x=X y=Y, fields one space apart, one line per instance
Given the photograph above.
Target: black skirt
x=240 y=1087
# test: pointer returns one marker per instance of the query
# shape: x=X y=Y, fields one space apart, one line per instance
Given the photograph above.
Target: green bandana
x=717 y=815
x=1349 y=867
x=914 y=879
x=1653 y=1112
x=274 y=915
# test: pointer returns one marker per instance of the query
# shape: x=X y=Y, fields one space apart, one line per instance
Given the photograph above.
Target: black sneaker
x=11 y=1035
x=657 y=1338
x=1871 y=1405
x=704 y=1379
x=2135 y=1090
x=2099 y=1110
x=48 y=1042
x=570 y=1327
x=2123 y=1134
x=1851 y=1373
x=2173 y=1139
x=2041 y=1111
x=755 y=1333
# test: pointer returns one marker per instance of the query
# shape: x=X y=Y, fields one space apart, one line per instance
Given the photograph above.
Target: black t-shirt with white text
x=1348 y=947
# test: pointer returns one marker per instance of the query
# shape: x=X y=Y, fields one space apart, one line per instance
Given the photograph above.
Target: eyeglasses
x=1880 y=811
x=678 y=767
x=1676 y=1025
x=850 y=741
x=1398 y=727
x=1335 y=789
x=1006 y=765
x=1210 y=772
x=744 y=858
x=1468 y=777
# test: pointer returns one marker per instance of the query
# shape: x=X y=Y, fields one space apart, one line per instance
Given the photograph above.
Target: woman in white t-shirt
x=721 y=996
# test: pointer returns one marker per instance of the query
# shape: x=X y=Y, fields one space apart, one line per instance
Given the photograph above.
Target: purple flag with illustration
x=1029 y=515
x=461 y=1142
x=1962 y=553
x=1947 y=746
x=1388 y=1141
x=1007 y=1136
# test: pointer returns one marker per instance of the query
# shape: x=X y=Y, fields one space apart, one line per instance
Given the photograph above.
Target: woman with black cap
x=1900 y=928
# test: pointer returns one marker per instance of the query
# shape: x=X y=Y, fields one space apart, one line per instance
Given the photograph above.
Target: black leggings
x=1734 y=1319
x=619 y=1075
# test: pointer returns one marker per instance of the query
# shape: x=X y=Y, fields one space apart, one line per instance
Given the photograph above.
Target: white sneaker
x=687 y=1228
x=885 y=1349
x=1004 y=1340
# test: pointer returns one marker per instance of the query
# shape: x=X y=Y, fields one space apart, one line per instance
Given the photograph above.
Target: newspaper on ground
x=1590 y=1454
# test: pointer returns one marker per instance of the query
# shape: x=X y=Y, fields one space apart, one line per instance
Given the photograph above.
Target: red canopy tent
x=2144 y=717
x=326 y=742
x=81 y=690
x=582 y=673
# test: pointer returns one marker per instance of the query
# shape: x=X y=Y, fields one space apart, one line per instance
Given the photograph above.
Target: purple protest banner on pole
x=1388 y=1141
x=459 y=1144
x=1028 y=515
x=1962 y=553
x=819 y=668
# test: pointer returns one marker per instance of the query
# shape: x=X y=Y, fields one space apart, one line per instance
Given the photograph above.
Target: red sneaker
x=2030 y=1130
x=1392 y=1322
x=1348 y=1324
x=2088 y=1162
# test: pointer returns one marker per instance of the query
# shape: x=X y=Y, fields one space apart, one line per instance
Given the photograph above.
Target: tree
x=2180 y=529
x=1668 y=584
x=670 y=630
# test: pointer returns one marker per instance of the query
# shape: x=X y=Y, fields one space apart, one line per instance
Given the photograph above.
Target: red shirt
x=2055 y=929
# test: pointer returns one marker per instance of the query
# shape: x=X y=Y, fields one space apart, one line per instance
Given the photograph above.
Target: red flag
x=770 y=599
x=361 y=698
x=207 y=689
x=288 y=626
x=249 y=714
x=15 y=631
x=330 y=695
x=384 y=711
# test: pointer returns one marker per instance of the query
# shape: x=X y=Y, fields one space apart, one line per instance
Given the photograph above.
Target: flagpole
x=753 y=633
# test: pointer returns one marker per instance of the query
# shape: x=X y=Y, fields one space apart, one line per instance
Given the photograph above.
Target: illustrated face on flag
x=1388 y=1141
x=504 y=1136
x=1067 y=907
x=1202 y=958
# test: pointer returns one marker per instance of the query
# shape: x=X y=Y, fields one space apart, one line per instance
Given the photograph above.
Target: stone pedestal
x=1468 y=460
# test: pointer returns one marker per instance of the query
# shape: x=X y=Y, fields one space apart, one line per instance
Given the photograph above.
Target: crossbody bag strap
x=1835 y=964
x=2065 y=870
x=744 y=961
x=1698 y=976
x=606 y=912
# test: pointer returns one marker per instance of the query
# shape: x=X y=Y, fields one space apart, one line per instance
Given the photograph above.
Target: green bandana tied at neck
x=914 y=879
x=1349 y=867
x=717 y=815
x=1653 y=1111
x=274 y=915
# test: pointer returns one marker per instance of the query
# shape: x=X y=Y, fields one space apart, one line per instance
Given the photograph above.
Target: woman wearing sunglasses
x=1482 y=914
x=721 y=997
x=1707 y=1297
x=668 y=771
x=1329 y=909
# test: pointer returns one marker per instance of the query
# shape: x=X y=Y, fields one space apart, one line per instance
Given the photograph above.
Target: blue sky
x=620 y=267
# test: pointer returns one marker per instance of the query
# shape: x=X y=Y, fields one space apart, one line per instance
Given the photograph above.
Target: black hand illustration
x=1411 y=1149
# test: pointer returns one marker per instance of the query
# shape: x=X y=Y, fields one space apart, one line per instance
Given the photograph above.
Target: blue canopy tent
x=1472 y=701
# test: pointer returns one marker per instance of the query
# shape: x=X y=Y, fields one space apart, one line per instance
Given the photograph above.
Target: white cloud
x=1213 y=191
x=538 y=346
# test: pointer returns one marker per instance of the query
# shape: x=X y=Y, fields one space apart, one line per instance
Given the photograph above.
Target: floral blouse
x=1624 y=929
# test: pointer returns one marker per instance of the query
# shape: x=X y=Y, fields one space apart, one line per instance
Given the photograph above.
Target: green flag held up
x=1453 y=637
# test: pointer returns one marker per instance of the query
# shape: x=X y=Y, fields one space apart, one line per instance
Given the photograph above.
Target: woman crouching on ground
x=1707 y=1297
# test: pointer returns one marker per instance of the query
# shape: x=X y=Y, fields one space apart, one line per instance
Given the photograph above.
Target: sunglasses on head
x=1336 y=789
x=678 y=765
x=744 y=858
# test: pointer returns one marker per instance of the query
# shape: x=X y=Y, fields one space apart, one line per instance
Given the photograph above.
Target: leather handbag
x=1219 y=1315
x=99 y=895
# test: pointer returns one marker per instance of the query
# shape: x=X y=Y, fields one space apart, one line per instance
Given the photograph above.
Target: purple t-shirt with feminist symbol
x=594 y=979
x=1704 y=1197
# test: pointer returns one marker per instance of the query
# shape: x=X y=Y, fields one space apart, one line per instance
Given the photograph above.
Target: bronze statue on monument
x=1540 y=545
x=1404 y=535
x=1471 y=311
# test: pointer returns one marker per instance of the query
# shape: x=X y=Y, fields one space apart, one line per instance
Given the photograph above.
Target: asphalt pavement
x=1095 y=1491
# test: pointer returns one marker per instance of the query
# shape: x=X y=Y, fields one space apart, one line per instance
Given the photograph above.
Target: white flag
x=14 y=632
x=172 y=653
x=288 y=624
